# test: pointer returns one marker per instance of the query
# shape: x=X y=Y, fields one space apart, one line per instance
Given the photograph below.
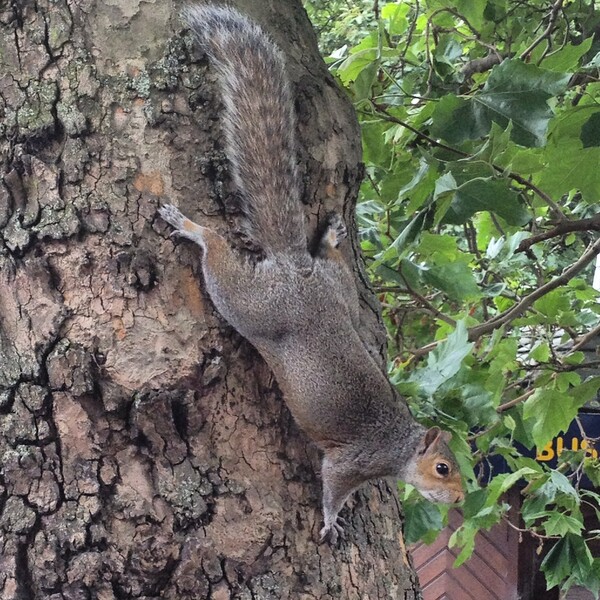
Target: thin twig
x=511 y=175
x=515 y=401
x=436 y=313
x=584 y=339
x=524 y=182
x=519 y=308
x=484 y=328
x=539 y=536
x=411 y=31
x=556 y=7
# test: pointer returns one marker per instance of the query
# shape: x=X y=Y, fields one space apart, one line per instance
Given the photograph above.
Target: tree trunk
x=145 y=450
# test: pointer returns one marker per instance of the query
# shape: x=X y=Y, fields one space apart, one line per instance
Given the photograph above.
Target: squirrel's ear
x=432 y=438
x=446 y=436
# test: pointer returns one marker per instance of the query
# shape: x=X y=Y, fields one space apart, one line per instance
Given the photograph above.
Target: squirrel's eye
x=442 y=469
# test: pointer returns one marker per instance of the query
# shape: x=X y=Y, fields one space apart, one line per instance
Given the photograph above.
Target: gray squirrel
x=299 y=307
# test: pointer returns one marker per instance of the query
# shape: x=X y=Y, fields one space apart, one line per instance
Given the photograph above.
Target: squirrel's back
x=259 y=124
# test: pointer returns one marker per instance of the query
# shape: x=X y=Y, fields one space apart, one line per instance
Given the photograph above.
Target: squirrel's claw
x=333 y=532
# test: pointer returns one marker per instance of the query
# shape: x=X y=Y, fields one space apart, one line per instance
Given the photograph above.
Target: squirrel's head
x=433 y=469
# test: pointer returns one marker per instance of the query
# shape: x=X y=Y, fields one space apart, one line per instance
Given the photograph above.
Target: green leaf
x=478 y=405
x=464 y=537
x=567 y=59
x=423 y=520
x=561 y=484
x=587 y=391
x=349 y=70
x=541 y=353
x=493 y=195
x=474 y=503
x=454 y=121
x=432 y=246
x=560 y=524
x=591 y=468
x=515 y=91
x=519 y=92
x=564 y=381
x=375 y=151
x=574 y=165
x=568 y=556
x=552 y=304
x=503 y=483
x=396 y=15
x=445 y=361
x=590 y=131
x=472 y=10
x=444 y=185
x=575 y=358
x=550 y=412
x=574 y=168
x=591 y=580
x=407 y=235
x=363 y=84
x=455 y=279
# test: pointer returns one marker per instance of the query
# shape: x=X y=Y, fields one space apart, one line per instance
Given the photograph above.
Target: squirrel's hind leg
x=184 y=227
x=237 y=293
x=216 y=251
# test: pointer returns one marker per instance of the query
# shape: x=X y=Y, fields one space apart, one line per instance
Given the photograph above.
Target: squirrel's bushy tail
x=259 y=124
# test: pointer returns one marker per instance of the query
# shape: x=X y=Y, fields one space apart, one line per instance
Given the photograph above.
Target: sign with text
x=579 y=436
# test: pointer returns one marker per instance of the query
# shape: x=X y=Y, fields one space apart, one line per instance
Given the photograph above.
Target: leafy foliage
x=479 y=218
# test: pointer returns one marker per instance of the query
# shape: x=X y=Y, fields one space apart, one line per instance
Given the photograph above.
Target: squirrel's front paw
x=333 y=531
x=337 y=229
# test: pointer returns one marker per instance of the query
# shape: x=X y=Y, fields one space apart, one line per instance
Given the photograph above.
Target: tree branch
x=519 y=308
x=392 y=119
x=591 y=224
x=480 y=65
x=516 y=177
x=515 y=401
x=424 y=302
x=584 y=339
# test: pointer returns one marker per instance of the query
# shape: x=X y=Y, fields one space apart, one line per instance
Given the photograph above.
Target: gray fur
x=260 y=124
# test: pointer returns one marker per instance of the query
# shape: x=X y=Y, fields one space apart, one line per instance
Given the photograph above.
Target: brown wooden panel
x=435 y=566
x=490 y=574
x=502 y=537
x=421 y=551
x=495 y=559
x=446 y=587
x=478 y=570
x=461 y=578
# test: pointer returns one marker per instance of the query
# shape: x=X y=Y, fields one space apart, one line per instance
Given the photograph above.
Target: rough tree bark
x=145 y=451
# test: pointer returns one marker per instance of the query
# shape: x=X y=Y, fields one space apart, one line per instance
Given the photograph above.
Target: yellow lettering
x=575 y=444
x=559 y=446
x=547 y=453
x=589 y=449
